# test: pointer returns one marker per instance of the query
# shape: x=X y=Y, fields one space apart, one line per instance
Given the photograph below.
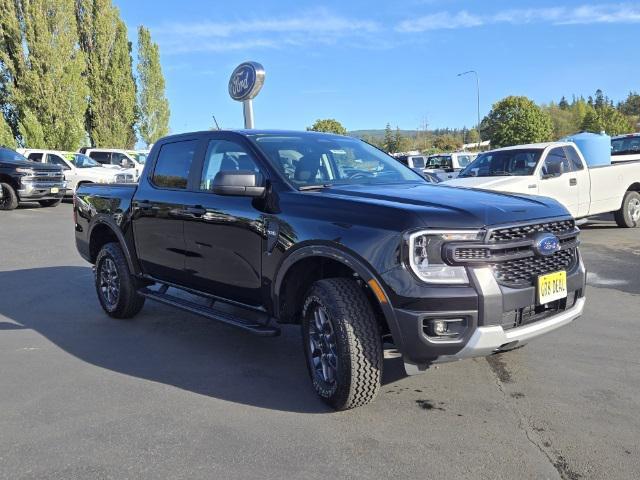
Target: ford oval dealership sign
x=246 y=81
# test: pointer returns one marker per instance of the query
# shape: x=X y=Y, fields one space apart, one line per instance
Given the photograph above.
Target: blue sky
x=368 y=62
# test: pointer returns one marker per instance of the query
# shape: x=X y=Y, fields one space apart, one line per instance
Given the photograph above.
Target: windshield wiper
x=501 y=174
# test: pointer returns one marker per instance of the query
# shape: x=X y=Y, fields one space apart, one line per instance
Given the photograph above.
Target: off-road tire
x=624 y=217
x=50 y=203
x=128 y=302
x=9 y=200
x=357 y=338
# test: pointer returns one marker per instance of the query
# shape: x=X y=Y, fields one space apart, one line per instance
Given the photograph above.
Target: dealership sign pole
x=245 y=83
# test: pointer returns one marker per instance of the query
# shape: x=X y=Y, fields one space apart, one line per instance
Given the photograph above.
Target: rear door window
x=173 y=164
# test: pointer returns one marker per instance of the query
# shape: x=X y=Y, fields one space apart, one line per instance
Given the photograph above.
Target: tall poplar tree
x=153 y=106
x=42 y=67
x=111 y=115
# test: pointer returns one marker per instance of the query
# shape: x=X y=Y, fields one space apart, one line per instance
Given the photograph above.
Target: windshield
x=81 y=161
x=8 y=155
x=309 y=159
x=625 y=145
x=503 y=162
x=139 y=157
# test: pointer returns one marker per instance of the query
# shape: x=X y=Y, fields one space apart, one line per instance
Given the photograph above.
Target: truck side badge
x=273 y=231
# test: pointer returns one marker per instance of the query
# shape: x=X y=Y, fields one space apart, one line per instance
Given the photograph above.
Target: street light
x=478 y=93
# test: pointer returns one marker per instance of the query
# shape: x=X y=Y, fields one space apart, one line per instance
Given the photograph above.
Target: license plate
x=552 y=286
x=55 y=190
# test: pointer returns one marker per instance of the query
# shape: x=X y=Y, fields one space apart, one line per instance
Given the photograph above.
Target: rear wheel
x=9 y=198
x=50 y=203
x=115 y=286
x=629 y=214
x=342 y=343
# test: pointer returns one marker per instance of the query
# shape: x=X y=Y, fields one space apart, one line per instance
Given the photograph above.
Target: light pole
x=478 y=95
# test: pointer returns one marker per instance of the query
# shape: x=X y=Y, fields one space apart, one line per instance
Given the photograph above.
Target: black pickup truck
x=22 y=180
x=260 y=228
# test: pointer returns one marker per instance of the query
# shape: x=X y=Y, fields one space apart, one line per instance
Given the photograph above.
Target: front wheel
x=8 y=197
x=115 y=286
x=50 y=203
x=629 y=214
x=342 y=343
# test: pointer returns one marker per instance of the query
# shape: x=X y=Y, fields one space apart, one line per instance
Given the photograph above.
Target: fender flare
x=108 y=222
x=348 y=259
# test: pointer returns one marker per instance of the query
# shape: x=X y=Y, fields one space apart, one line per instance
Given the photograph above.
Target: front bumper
x=33 y=191
x=483 y=306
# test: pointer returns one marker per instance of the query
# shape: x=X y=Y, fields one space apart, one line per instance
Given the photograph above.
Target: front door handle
x=573 y=182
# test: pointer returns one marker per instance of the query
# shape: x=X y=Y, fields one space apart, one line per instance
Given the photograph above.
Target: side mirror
x=240 y=183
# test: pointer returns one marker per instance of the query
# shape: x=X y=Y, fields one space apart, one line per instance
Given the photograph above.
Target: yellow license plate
x=55 y=190
x=552 y=286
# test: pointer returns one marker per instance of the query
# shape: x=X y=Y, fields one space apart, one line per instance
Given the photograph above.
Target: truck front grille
x=46 y=176
x=526 y=231
x=523 y=272
x=509 y=252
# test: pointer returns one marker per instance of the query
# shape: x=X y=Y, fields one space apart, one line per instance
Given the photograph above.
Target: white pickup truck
x=558 y=170
x=79 y=168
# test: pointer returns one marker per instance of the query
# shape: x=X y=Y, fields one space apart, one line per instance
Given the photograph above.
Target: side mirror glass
x=240 y=183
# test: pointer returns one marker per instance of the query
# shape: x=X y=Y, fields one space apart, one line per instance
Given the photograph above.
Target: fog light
x=445 y=328
x=440 y=327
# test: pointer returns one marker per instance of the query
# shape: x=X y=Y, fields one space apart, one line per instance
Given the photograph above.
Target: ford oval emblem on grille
x=546 y=244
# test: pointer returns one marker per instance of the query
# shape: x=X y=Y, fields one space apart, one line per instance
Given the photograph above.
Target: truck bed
x=609 y=183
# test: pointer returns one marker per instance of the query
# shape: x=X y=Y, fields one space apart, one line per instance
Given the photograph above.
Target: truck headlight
x=26 y=171
x=425 y=255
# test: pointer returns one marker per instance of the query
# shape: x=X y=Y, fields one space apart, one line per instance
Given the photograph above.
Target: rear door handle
x=573 y=182
x=196 y=211
x=145 y=205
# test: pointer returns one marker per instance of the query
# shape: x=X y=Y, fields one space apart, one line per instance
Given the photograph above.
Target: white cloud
x=316 y=26
x=584 y=14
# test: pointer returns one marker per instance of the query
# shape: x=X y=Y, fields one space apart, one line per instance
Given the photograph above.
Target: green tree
x=328 y=125
x=6 y=134
x=606 y=118
x=389 y=141
x=111 y=115
x=153 y=106
x=516 y=120
x=43 y=72
x=447 y=143
x=631 y=105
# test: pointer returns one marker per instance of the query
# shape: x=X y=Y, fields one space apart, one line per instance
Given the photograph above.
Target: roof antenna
x=216 y=122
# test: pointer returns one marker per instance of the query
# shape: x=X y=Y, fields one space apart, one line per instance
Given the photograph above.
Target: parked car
x=127 y=159
x=22 y=180
x=345 y=241
x=79 y=168
x=447 y=165
x=625 y=148
x=558 y=170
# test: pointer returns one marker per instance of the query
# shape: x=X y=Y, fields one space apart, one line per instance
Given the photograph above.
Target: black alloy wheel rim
x=323 y=350
x=109 y=282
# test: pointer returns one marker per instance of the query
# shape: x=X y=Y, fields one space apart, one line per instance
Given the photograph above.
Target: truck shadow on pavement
x=162 y=344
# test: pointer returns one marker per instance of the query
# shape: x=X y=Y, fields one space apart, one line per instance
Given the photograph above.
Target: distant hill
x=380 y=133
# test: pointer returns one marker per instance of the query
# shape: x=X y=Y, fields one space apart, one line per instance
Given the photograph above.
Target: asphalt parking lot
x=172 y=395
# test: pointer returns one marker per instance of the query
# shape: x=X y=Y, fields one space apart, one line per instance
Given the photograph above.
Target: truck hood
x=444 y=207
x=43 y=167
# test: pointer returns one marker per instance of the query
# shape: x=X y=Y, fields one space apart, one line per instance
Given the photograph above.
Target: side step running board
x=252 y=326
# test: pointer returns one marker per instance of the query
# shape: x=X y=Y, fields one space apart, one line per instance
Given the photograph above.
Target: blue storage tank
x=595 y=148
